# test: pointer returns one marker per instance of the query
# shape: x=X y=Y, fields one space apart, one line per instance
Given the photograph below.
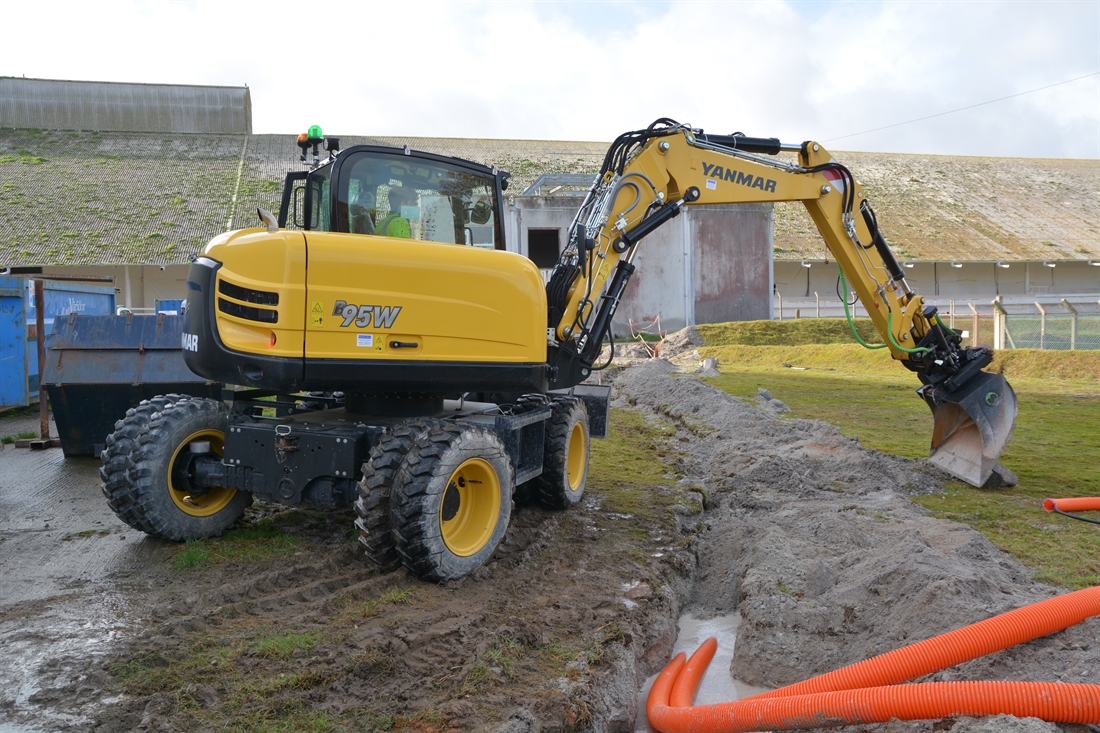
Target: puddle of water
x=718 y=684
x=52 y=651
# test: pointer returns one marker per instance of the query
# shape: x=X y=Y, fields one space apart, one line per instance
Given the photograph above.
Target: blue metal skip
x=97 y=367
x=13 y=344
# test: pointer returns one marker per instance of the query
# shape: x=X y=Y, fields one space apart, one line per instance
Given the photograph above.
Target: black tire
x=565 y=460
x=451 y=501
x=171 y=511
x=373 y=505
x=116 y=459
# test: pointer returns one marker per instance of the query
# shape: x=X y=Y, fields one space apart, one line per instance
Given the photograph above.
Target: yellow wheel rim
x=214 y=500
x=470 y=509
x=575 y=459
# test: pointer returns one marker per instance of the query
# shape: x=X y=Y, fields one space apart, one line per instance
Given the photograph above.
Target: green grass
x=787 y=333
x=630 y=461
x=281 y=646
x=250 y=542
x=1054 y=450
x=390 y=597
x=23 y=412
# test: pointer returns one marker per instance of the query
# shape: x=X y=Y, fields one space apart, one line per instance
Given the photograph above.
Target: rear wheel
x=565 y=462
x=373 y=505
x=167 y=501
x=116 y=459
x=451 y=501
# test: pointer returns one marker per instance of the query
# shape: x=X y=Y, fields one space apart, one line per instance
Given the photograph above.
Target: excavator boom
x=649 y=175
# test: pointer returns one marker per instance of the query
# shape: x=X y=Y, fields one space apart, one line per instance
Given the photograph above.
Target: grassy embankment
x=1055 y=448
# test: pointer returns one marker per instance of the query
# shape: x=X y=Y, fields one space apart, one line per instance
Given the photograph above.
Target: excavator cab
x=398 y=193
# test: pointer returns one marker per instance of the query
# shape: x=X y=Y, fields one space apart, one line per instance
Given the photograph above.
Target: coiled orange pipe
x=1083 y=504
x=865 y=692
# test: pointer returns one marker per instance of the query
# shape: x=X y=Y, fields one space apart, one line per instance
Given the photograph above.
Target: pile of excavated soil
x=679 y=347
x=811 y=539
x=677 y=343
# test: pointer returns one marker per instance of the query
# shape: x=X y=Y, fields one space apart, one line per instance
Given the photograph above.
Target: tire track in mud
x=556 y=633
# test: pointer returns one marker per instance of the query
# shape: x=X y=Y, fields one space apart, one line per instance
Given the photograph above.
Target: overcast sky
x=589 y=71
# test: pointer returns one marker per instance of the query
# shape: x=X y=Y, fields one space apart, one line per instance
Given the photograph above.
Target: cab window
x=403 y=197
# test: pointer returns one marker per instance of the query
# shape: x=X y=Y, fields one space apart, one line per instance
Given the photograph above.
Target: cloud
x=590 y=71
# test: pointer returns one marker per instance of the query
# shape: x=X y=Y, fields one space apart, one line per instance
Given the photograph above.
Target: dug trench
x=805 y=534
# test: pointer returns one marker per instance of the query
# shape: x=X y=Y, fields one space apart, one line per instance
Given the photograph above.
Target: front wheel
x=565 y=462
x=451 y=501
x=170 y=505
x=116 y=457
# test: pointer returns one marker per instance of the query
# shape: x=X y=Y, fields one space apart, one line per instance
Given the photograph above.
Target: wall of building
x=709 y=265
x=972 y=279
x=50 y=104
x=137 y=286
x=732 y=248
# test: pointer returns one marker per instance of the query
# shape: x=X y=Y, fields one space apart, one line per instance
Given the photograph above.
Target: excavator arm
x=648 y=176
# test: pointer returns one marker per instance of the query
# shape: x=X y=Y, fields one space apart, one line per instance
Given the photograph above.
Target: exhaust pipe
x=973 y=424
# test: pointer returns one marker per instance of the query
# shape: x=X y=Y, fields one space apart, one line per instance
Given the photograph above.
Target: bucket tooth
x=973 y=424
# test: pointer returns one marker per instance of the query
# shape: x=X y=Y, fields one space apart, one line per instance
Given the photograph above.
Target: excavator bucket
x=973 y=424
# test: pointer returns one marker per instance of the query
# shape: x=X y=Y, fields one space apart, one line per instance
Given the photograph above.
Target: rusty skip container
x=97 y=367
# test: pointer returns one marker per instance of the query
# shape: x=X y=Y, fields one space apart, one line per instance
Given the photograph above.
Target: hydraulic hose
x=890 y=333
x=848 y=315
x=943 y=325
x=866 y=692
x=889 y=323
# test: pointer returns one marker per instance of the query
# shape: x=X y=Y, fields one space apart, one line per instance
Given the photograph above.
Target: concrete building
x=709 y=265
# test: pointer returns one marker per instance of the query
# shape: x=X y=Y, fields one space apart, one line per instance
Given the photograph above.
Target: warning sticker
x=712 y=184
x=317 y=314
x=364 y=339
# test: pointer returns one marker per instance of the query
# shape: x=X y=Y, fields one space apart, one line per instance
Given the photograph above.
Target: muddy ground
x=800 y=530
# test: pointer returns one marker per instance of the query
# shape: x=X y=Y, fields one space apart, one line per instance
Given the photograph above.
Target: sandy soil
x=800 y=530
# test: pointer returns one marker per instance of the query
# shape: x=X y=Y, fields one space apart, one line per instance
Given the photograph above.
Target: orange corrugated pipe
x=865 y=692
x=1082 y=504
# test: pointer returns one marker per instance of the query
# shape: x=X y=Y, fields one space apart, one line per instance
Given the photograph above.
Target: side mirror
x=481 y=213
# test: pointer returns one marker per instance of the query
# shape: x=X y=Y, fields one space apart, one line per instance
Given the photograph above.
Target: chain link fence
x=1014 y=322
x=1063 y=325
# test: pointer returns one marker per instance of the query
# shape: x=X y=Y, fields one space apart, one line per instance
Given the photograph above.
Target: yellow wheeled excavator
x=389 y=351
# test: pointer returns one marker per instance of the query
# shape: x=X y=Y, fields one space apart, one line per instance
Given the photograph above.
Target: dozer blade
x=973 y=424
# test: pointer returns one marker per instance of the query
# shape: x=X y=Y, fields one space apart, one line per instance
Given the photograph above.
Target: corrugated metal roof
x=51 y=104
x=82 y=198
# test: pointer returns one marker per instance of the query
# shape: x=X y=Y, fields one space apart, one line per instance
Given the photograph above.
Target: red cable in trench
x=866 y=692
